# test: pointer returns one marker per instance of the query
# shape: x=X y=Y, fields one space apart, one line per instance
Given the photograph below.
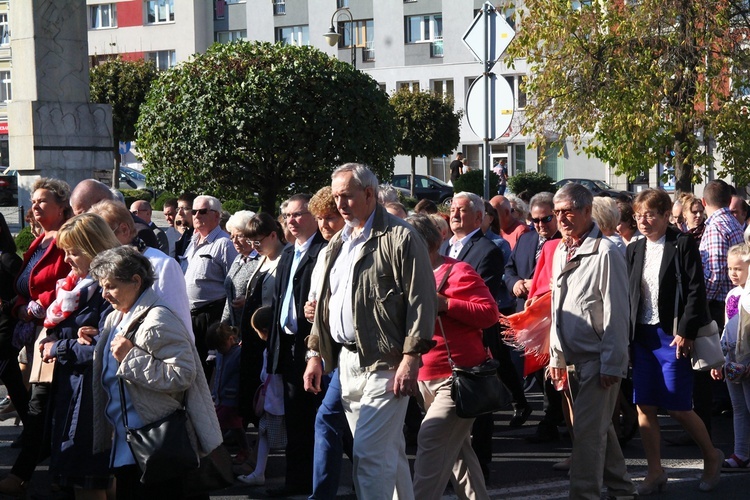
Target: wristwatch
x=311 y=354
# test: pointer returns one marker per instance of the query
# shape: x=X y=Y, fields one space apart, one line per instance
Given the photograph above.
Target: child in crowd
x=735 y=343
x=226 y=383
x=272 y=427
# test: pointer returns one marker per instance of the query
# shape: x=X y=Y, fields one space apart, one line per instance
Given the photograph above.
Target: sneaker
x=253 y=479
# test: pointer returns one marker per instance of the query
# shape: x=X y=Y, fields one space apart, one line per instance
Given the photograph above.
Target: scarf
x=68 y=298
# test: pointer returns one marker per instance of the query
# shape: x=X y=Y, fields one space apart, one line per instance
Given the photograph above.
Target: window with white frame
x=159 y=11
x=293 y=35
x=516 y=83
x=5 y=94
x=423 y=28
x=442 y=88
x=4 y=30
x=103 y=16
x=162 y=59
x=362 y=34
x=279 y=7
x=342 y=3
x=413 y=86
x=230 y=36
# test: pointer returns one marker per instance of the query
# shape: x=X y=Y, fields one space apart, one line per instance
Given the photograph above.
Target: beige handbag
x=41 y=372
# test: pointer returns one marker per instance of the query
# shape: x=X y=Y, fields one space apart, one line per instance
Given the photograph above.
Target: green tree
x=123 y=85
x=251 y=117
x=427 y=125
x=534 y=182
x=636 y=83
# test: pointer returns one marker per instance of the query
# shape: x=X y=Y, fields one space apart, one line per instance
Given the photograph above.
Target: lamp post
x=333 y=36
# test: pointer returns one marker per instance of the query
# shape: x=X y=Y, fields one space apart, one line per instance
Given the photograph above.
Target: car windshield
x=133 y=173
x=436 y=180
x=602 y=185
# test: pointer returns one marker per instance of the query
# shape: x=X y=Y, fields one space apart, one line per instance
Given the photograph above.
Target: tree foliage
x=251 y=117
x=123 y=85
x=473 y=182
x=647 y=81
x=534 y=182
x=427 y=125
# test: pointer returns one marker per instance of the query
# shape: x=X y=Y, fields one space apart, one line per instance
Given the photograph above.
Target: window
x=163 y=59
x=279 y=7
x=363 y=33
x=103 y=16
x=230 y=36
x=424 y=28
x=4 y=30
x=413 y=86
x=342 y=3
x=519 y=95
x=519 y=158
x=553 y=163
x=160 y=11
x=293 y=35
x=5 y=94
x=443 y=87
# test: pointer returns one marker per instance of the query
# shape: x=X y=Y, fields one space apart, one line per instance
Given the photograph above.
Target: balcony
x=368 y=52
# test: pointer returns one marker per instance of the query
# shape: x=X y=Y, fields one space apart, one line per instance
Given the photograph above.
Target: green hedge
x=473 y=182
x=132 y=195
x=24 y=239
x=534 y=182
x=158 y=203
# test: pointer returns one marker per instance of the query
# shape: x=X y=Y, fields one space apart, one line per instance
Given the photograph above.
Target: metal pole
x=486 y=153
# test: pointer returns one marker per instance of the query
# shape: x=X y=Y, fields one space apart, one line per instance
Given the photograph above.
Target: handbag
x=706 y=352
x=259 y=399
x=475 y=390
x=214 y=473
x=41 y=372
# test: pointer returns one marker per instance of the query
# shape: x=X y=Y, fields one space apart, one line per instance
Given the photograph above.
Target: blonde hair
x=606 y=214
x=114 y=214
x=742 y=251
x=88 y=233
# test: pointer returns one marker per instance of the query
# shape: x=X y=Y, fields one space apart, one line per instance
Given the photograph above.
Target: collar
x=463 y=240
x=303 y=247
x=573 y=243
x=722 y=212
x=210 y=237
x=354 y=233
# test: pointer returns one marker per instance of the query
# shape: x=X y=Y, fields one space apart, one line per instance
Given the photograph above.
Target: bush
x=533 y=182
x=132 y=195
x=23 y=239
x=234 y=206
x=158 y=203
x=473 y=182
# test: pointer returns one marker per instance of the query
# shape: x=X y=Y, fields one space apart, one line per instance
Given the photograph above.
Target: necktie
x=287 y=315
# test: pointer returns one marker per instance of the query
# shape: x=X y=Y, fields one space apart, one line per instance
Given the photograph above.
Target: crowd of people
x=331 y=326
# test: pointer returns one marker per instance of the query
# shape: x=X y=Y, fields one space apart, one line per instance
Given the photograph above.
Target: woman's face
x=240 y=242
x=121 y=294
x=651 y=223
x=78 y=262
x=330 y=223
x=47 y=212
x=694 y=216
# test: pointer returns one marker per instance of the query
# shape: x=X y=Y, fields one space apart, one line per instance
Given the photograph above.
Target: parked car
x=133 y=179
x=599 y=188
x=425 y=186
x=8 y=191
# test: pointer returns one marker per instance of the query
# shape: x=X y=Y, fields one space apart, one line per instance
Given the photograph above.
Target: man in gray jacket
x=590 y=332
x=374 y=318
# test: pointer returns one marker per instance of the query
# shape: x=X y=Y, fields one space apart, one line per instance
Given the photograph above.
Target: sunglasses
x=202 y=211
x=542 y=220
x=178 y=223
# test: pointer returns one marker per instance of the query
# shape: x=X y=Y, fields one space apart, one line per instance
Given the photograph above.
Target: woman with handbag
x=667 y=308
x=466 y=307
x=147 y=374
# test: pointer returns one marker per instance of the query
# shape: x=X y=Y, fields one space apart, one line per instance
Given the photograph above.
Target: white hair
x=239 y=220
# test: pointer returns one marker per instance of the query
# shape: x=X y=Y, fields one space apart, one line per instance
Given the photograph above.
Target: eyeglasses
x=178 y=223
x=648 y=216
x=257 y=243
x=542 y=220
x=294 y=215
x=202 y=211
x=564 y=212
x=238 y=237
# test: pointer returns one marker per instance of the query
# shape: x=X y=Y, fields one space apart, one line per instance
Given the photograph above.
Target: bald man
x=510 y=228
x=142 y=209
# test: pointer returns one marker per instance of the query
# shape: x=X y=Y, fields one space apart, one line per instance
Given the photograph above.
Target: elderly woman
x=607 y=217
x=240 y=271
x=465 y=307
x=694 y=215
x=78 y=308
x=264 y=233
x=147 y=348
x=662 y=374
x=43 y=264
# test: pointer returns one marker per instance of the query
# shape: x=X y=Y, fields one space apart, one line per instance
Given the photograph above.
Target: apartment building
x=5 y=87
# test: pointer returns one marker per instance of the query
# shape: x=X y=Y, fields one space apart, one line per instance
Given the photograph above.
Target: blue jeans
x=330 y=428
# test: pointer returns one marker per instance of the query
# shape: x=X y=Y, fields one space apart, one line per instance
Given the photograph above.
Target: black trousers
x=35 y=446
x=202 y=318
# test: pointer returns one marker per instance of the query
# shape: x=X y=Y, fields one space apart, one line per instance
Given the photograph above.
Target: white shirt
x=169 y=285
x=648 y=309
x=458 y=244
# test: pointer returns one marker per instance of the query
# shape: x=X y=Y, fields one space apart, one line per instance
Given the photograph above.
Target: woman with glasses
x=240 y=271
x=662 y=373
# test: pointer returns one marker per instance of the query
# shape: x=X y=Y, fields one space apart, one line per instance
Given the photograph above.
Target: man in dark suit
x=519 y=270
x=469 y=245
x=286 y=343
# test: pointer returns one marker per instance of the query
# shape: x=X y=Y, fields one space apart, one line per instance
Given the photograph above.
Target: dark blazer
x=286 y=355
x=693 y=312
x=486 y=258
x=521 y=264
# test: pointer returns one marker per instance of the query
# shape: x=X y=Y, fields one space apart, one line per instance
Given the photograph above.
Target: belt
x=350 y=346
x=208 y=307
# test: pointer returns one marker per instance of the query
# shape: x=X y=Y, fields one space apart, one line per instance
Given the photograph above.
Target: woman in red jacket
x=466 y=307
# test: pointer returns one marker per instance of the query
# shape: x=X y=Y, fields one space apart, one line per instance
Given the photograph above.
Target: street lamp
x=333 y=36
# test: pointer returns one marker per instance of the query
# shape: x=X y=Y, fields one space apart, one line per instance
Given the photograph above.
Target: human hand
x=405 y=382
x=86 y=335
x=683 y=346
x=520 y=289
x=313 y=375
x=608 y=380
x=238 y=303
x=716 y=374
x=46 y=349
x=120 y=347
x=442 y=302
x=310 y=310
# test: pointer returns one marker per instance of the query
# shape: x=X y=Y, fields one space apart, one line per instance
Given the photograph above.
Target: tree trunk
x=413 y=175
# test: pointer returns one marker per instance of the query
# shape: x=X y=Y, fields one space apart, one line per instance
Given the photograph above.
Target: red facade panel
x=132 y=56
x=130 y=13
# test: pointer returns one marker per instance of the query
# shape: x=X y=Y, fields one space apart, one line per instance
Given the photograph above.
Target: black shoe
x=545 y=433
x=288 y=490
x=18 y=442
x=681 y=439
x=520 y=415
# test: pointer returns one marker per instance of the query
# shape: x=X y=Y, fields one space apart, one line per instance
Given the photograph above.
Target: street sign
x=499 y=109
x=499 y=36
x=124 y=147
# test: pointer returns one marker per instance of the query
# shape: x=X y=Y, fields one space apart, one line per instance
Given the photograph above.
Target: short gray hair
x=213 y=203
x=427 y=229
x=239 y=220
x=475 y=201
x=606 y=214
x=575 y=193
x=122 y=263
x=361 y=175
x=543 y=199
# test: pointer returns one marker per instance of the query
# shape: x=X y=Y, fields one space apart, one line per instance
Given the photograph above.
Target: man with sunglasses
x=208 y=256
